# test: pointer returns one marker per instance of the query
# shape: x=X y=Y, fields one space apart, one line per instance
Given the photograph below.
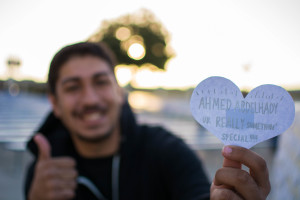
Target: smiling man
x=88 y=101
x=90 y=146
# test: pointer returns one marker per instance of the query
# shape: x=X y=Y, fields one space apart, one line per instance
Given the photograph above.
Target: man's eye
x=102 y=82
x=72 y=88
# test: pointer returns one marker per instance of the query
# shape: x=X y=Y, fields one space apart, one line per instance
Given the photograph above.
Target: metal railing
x=20 y=116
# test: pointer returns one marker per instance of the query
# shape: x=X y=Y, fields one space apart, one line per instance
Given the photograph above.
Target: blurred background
x=164 y=49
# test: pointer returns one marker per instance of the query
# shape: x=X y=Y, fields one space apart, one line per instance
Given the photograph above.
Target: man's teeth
x=93 y=116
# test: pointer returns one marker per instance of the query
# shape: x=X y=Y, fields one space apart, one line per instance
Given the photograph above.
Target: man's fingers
x=256 y=164
x=224 y=194
x=60 y=173
x=227 y=162
x=43 y=147
x=231 y=163
x=65 y=162
x=66 y=194
x=240 y=180
x=60 y=194
x=68 y=174
x=60 y=184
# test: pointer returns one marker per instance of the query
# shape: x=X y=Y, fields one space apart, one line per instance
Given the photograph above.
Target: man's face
x=88 y=99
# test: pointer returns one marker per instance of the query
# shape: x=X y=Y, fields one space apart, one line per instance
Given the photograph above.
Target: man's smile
x=92 y=116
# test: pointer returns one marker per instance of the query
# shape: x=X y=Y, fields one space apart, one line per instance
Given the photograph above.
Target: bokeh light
x=136 y=51
x=124 y=74
x=123 y=33
x=140 y=100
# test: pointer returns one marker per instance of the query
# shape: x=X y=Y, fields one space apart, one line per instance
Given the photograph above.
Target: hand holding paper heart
x=219 y=106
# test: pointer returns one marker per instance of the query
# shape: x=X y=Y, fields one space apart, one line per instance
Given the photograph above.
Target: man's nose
x=89 y=96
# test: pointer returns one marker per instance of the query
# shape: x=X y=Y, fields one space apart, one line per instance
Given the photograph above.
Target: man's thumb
x=43 y=147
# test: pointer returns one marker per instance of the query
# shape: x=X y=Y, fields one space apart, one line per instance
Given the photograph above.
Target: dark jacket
x=155 y=164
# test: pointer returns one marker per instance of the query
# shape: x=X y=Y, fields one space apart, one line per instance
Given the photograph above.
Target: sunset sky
x=251 y=42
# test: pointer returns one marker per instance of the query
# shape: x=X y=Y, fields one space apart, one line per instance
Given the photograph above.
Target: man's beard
x=96 y=139
x=99 y=137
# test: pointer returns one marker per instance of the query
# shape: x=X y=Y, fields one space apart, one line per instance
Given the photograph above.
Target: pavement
x=12 y=170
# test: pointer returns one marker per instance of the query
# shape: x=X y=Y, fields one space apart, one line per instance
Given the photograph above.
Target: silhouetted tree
x=139 y=33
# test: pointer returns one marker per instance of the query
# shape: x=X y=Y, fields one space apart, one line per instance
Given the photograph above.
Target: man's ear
x=53 y=100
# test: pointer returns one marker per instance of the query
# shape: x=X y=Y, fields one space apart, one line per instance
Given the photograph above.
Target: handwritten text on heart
x=219 y=106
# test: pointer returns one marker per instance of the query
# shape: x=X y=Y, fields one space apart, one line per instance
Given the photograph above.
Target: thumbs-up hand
x=54 y=178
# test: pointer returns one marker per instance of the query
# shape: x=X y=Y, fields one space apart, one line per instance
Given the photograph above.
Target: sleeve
x=183 y=171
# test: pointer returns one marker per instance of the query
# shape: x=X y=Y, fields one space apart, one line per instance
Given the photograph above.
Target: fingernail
x=227 y=150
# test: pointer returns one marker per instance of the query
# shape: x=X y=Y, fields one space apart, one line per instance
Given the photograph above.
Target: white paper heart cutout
x=219 y=106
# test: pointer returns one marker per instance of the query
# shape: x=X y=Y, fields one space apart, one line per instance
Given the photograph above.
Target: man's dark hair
x=79 y=49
